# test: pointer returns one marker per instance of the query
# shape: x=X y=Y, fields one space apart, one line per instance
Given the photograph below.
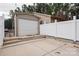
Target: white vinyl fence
x=1 y=30
x=65 y=29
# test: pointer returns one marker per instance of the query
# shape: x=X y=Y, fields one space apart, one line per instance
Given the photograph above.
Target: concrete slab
x=41 y=47
x=66 y=50
x=48 y=44
x=48 y=55
x=26 y=49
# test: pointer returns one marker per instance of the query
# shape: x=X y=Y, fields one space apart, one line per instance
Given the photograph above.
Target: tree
x=50 y=10
x=62 y=9
x=8 y=23
x=30 y=8
x=44 y=8
x=17 y=9
x=57 y=9
x=12 y=13
x=24 y=8
x=75 y=8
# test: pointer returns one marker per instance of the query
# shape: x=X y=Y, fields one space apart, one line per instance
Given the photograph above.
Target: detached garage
x=26 y=24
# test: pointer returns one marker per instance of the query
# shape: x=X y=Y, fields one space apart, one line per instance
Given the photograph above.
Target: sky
x=6 y=7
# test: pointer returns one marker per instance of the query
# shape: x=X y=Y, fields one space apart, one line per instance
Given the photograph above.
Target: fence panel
x=65 y=29
x=48 y=29
x=1 y=30
x=77 y=30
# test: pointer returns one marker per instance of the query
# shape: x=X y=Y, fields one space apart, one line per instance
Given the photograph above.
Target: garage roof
x=27 y=15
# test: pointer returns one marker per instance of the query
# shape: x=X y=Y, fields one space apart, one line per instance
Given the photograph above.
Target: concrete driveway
x=41 y=47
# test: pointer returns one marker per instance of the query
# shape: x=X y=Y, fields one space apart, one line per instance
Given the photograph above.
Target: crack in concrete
x=54 y=50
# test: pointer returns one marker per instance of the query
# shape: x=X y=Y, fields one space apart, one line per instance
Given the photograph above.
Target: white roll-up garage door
x=27 y=27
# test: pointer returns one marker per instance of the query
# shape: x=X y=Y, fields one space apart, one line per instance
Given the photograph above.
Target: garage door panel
x=27 y=27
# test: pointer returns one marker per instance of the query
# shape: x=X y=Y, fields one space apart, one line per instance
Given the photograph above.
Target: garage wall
x=27 y=27
x=1 y=30
x=44 y=17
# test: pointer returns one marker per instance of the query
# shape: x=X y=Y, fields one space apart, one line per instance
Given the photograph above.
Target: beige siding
x=43 y=17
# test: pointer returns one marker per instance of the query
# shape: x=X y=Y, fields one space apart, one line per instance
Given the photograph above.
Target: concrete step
x=24 y=37
x=13 y=40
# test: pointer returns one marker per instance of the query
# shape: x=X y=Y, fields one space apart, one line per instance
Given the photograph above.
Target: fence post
x=56 y=27
x=75 y=28
x=15 y=26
